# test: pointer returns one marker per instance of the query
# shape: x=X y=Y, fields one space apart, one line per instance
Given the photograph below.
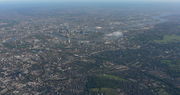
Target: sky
x=89 y=0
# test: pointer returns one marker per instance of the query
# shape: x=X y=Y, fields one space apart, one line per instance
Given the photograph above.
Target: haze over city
x=89 y=0
x=89 y=47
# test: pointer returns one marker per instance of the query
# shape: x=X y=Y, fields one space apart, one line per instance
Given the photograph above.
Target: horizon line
x=113 y=1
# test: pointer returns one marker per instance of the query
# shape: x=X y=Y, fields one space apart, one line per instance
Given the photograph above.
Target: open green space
x=112 y=77
x=169 y=39
x=106 y=91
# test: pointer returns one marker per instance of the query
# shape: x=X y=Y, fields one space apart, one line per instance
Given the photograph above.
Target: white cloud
x=115 y=34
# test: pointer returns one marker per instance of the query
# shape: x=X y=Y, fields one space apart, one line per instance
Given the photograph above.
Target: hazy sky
x=90 y=0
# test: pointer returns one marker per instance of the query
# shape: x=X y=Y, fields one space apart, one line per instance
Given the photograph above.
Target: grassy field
x=106 y=91
x=106 y=84
x=112 y=77
x=169 y=39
